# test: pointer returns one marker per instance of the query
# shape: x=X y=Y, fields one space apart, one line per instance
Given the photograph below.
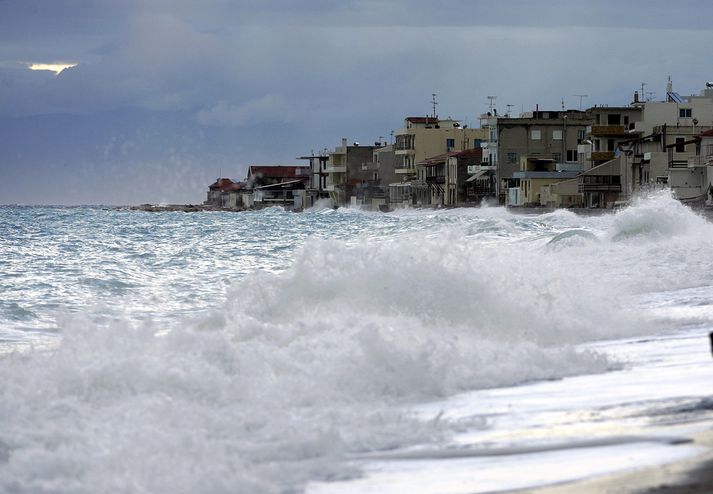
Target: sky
x=160 y=97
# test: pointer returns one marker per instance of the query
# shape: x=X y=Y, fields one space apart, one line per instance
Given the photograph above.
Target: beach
x=457 y=351
x=690 y=476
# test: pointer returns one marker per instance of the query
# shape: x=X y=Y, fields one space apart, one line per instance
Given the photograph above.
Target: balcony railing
x=607 y=130
x=602 y=155
x=700 y=160
x=599 y=183
x=598 y=188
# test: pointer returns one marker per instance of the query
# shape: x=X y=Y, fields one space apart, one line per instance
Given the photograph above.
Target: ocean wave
x=296 y=366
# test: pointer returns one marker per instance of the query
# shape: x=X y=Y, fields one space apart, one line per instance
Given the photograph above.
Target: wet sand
x=691 y=476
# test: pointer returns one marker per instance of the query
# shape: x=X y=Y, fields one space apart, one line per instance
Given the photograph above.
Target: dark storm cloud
x=260 y=80
x=223 y=58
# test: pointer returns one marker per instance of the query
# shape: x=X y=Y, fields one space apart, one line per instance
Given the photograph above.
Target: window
x=680 y=146
x=450 y=143
x=571 y=155
x=613 y=119
x=610 y=144
x=580 y=135
x=512 y=157
x=685 y=112
x=535 y=135
x=556 y=135
x=477 y=143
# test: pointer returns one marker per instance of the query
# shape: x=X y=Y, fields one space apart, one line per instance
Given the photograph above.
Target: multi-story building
x=373 y=192
x=316 y=189
x=536 y=174
x=345 y=170
x=447 y=177
x=425 y=137
x=654 y=150
x=535 y=136
x=276 y=185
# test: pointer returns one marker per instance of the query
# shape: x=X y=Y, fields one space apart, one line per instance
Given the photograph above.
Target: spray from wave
x=301 y=367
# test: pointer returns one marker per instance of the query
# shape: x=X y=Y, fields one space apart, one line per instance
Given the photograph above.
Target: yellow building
x=426 y=137
x=536 y=176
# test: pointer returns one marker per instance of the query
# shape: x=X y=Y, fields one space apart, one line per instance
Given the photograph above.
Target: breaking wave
x=301 y=366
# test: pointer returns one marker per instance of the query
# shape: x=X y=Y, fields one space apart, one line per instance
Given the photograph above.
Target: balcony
x=405 y=171
x=700 y=160
x=336 y=169
x=602 y=155
x=480 y=168
x=436 y=179
x=599 y=183
x=606 y=130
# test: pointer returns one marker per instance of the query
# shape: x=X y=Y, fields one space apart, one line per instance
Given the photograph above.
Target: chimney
x=344 y=142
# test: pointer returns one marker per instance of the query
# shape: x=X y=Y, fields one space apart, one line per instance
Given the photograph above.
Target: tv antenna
x=581 y=97
x=492 y=102
x=434 y=103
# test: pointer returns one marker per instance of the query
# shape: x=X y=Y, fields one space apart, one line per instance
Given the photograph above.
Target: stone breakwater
x=186 y=208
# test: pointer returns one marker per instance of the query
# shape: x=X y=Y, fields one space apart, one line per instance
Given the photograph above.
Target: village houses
x=595 y=158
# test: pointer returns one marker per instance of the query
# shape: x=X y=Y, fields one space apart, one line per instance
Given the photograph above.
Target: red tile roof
x=707 y=133
x=221 y=184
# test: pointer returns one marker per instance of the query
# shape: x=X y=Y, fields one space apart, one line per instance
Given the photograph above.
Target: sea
x=343 y=351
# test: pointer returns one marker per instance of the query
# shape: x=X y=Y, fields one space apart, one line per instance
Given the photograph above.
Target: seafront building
x=655 y=149
x=597 y=158
x=265 y=186
x=534 y=150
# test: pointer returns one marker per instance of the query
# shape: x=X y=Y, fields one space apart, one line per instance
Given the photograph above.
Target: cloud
x=307 y=73
x=267 y=108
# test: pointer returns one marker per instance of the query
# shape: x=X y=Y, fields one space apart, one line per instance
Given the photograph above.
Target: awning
x=477 y=175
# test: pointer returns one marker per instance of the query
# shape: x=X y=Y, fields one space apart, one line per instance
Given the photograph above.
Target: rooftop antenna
x=642 y=89
x=508 y=107
x=581 y=96
x=650 y=95
x=492 y=102
x=392 y=136
x=562 y=102
x=434 y=103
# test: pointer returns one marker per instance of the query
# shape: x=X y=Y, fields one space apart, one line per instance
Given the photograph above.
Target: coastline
x=692 y=475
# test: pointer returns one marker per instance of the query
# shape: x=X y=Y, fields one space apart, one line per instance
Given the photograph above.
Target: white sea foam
x=318 y=358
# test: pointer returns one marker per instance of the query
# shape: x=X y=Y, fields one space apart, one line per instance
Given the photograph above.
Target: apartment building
x=426 y=137
x=535 y=137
